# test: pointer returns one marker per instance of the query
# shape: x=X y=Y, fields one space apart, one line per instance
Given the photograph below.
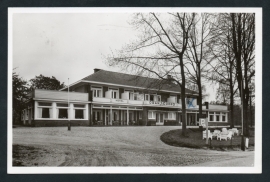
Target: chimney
x=207 y=105
x=169 y=77
x=96 y=70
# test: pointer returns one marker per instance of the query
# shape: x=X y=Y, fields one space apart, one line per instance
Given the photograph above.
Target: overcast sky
x=68 y=45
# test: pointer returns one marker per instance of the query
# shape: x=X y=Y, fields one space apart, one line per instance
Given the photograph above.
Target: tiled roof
x=133 y=80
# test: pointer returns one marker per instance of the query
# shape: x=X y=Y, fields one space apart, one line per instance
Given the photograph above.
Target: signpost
x=204 y=123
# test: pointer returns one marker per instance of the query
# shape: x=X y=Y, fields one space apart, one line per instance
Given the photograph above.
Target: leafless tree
x=159 y=50
x=197 y=53
x=243 y=46
x=222 y=62
x=233 y=56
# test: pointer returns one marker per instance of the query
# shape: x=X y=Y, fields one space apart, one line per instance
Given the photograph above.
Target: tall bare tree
x=197 y=53
x=159 y=50
x=222 y=62
x=243 y=46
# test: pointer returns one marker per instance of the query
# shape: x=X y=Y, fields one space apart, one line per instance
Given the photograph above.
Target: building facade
x=108 y=98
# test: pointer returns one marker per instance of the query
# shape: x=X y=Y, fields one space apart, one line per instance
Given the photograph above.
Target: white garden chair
x=235 y=131
x=225 y=135
x=215 y=133
x=209 y=134
x=224 y=130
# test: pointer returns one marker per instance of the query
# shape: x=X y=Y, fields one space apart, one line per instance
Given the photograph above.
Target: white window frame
x=40 y=107
x=140 y=114
x=159 y=98
x=214 y=117
x=79 y=108
x=220 y=120
x=223 y=114
x=147 y=96
x=114 y=90
x=175 y=96
x=95 y=89
x=171 y=116
x=60 y=107
x=153 y=115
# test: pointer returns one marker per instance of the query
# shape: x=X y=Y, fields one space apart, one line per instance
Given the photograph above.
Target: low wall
x=60 y=123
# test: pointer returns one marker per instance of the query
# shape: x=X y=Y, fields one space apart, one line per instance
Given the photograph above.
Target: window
x=44 y=110
x=45 y=113
x=79 y=114
x=97 y=91
x=151 y=97
x=151 y=115
x=147 y=97
x=140 y=115
x=62 y=113
x=131 y=96
x=174 y=98
x=171 y=115
x=223 y=117
x=79 y=111
x=114 y=93
x=217 y=116
x=62 y=109
x=211 y=116
x=97 y=115
x=159 y=98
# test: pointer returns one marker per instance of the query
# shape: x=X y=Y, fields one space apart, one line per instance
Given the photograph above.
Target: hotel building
x=109 y=98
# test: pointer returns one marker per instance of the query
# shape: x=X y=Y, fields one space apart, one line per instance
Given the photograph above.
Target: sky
x=69 y=45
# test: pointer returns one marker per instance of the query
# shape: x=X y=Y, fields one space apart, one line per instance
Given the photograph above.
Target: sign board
x=202 y=122
x=191 y=102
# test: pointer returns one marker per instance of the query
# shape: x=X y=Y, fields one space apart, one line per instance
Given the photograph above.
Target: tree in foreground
x=19 y=96
x=243 y=46
x=159 y=50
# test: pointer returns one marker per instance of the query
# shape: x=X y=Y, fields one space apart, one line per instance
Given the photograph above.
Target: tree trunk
x=200 y=93
x=246 y=126
x=183 y=94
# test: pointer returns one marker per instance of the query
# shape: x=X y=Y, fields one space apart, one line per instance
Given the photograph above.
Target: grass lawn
x=195 y=140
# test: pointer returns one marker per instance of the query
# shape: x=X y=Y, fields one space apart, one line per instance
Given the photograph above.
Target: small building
x=110 y=98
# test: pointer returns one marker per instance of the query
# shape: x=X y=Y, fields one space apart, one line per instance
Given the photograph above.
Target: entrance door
x=160 y=119
x=130 y=118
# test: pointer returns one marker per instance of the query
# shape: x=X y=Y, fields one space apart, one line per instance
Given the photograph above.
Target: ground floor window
x=217 y=117
x=44 y=110
x=171 y=115
x=223 y=117
x=151 y=115
x=211 y=116
x=80 y=111
x=140 y=114
x=79 y=114
x=97 y=115
x=45 y=113
x=62 y=113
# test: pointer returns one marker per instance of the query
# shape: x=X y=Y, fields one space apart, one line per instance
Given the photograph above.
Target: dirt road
x=109 y=146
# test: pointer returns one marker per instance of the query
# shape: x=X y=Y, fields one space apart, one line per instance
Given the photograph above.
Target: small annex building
x=111 y=98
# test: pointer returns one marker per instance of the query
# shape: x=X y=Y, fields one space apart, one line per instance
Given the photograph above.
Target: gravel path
x=108 y=146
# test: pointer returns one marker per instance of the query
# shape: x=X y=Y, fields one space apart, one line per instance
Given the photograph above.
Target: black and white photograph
x=134 y=90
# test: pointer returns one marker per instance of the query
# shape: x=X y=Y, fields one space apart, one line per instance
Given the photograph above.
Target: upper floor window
x=174 y=98
x=97 y=91
x=147 y=97
x=115 y=93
